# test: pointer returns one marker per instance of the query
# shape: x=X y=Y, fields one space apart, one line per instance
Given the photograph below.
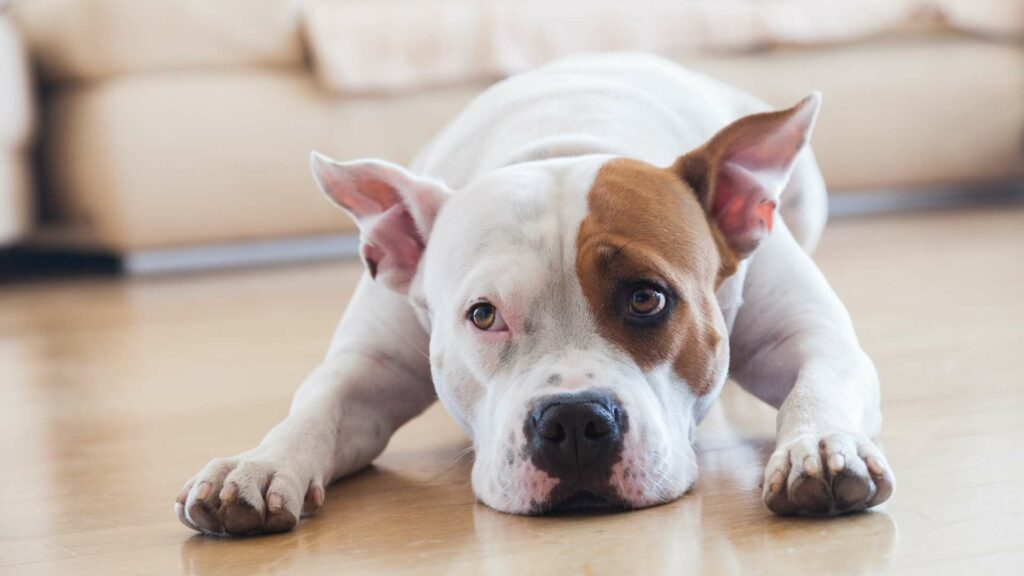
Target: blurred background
x=172 y=135
x=154 y=182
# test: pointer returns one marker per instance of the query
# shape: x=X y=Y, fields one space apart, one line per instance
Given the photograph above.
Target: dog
x=573 y=267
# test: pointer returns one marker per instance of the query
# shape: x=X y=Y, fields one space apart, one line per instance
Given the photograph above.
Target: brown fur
x=646 y=223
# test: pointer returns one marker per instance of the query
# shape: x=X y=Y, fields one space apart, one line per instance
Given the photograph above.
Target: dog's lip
x=584 y=501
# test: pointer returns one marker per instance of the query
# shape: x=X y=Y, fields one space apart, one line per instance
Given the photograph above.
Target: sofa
x=186 y=126
x=17 y=128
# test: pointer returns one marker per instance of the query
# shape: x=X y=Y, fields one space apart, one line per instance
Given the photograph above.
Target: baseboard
x=55 y=256
x=46 y=256
x=241 y=254
x=313 y=248
x=897 y=200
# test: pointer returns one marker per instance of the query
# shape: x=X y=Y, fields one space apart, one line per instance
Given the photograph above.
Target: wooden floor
x=113 y=392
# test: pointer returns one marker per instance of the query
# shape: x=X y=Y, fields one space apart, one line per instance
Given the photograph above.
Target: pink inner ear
x=742 y=207
x=766 y=213
x=363 y=197
x=772 y=151
x=392 y=246
x=393 y=209
x=742 y=170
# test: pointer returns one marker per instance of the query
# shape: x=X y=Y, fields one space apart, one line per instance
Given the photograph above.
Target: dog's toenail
x=836 y=462
x=314 y=498
x=274 y=502
x=875 y=467
x=230 y=493
x=811 y=465
x=203 y=492
x=775 y=484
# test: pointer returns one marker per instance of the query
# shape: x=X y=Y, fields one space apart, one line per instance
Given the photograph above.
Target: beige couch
x=177 y=124
x=17 y=119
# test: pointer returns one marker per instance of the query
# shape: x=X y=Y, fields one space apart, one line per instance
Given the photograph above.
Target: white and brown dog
x=587 y=252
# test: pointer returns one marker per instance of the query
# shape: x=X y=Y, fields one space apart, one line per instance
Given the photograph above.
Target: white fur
x=521 y=158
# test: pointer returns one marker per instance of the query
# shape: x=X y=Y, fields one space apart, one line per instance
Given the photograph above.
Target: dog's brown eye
x=646 y=301
x=483 y=315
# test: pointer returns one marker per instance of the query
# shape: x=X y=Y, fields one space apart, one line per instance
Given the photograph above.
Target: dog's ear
x=394 y=209
x=739 y=174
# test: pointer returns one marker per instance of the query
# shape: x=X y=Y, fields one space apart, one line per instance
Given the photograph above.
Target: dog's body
x=581 y=307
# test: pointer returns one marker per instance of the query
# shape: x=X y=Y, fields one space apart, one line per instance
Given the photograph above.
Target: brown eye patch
x=645 y=223
x=650 y=339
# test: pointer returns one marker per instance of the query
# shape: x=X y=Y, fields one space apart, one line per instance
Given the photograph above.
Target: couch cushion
x=76 y=39
x=898 y=112
x=17 y=118
x=188 y=158
x=373 y=45
x=16 y=201
x=398 y=45
x=17 y=122
x=997 y=18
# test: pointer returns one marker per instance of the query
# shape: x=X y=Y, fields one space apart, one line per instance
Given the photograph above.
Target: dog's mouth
x=582 y=501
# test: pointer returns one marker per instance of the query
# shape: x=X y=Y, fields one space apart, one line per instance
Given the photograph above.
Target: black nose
x=577 y=436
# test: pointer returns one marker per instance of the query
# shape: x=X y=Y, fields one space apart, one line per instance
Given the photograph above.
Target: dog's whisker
x=454 y=461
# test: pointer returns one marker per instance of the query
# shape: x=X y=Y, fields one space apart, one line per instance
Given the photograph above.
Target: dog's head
x=575 y=327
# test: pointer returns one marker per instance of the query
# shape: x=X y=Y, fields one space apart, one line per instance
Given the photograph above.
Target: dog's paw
x=248 y=494
x=827 y=475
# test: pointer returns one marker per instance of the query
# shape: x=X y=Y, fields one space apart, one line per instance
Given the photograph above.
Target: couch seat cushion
x=79 y=40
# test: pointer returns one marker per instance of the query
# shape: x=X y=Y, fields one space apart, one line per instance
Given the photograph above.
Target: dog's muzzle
x=577 y=438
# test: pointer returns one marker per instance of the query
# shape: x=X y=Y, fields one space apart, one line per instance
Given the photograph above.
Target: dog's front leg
x=375 y=378
x=793 y=346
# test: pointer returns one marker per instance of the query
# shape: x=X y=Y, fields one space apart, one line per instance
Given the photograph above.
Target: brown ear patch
x=645 y=224
x=740 y=172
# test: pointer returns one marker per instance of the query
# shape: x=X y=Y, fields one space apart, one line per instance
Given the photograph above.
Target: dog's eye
x=485 y=316
x=646 y=301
